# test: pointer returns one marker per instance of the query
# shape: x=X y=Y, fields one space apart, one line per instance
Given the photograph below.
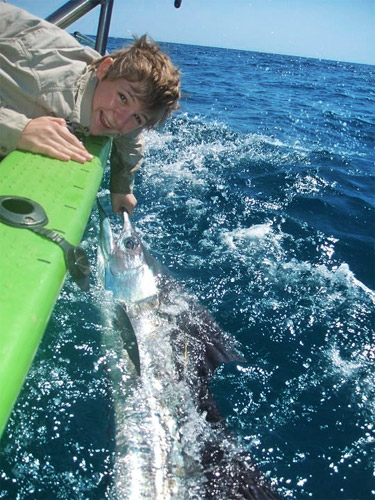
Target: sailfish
x=161 y=348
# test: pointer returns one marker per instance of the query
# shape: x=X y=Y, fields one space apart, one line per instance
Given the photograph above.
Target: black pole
x=103 y=26
x=71 y=11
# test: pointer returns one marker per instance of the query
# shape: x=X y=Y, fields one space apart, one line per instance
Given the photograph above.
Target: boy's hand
x=123 y=201
x=50 y=136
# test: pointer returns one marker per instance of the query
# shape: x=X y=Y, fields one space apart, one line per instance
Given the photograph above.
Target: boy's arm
x=11 y=128
x=46 y=135
x=50 y=136
x=126 y=159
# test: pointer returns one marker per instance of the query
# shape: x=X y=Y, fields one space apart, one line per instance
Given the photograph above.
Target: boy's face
x=115 y=108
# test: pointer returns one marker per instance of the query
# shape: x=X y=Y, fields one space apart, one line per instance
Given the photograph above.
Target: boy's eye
x=138 y=119
x=122 y=97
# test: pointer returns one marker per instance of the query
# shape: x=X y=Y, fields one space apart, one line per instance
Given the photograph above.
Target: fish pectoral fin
x=123 y=324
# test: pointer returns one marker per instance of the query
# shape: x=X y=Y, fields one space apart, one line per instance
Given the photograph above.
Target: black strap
x=75 y=257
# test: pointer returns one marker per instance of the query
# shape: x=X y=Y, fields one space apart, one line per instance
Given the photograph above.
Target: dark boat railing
x=73 y=10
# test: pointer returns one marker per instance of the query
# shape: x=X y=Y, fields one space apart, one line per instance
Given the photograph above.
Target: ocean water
x=259 y=196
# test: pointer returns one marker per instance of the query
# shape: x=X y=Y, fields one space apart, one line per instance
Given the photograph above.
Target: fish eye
x=131 y=243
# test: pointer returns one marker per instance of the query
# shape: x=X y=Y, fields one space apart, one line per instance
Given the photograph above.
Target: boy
x=49 y=82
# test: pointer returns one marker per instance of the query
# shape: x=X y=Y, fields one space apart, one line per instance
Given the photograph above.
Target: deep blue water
x=259 y=196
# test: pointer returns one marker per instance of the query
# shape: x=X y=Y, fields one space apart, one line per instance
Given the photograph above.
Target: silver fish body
x=156 y=420
x=161 y=348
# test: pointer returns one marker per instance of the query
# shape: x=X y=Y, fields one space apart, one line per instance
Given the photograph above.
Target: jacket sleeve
x=12 y=124
x=12 y=21
x=126 y=159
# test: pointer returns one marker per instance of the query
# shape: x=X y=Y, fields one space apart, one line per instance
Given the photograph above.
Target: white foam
x=346 y=368
x=250 y=234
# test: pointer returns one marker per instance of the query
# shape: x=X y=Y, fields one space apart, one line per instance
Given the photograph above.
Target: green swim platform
x=32 y=268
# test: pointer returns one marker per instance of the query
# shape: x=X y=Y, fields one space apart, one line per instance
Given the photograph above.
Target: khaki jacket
x=44 y=71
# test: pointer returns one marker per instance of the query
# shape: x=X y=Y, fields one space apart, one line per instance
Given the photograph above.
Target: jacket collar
x=80 y=117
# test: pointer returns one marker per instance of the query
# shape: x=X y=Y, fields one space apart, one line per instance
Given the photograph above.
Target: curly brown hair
x=158 y=79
